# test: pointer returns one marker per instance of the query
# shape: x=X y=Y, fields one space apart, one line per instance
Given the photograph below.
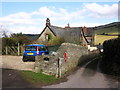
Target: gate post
x=59 y=64
x=6 y=51
x=18 y=49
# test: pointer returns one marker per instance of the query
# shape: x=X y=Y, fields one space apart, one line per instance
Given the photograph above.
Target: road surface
x=88 y=76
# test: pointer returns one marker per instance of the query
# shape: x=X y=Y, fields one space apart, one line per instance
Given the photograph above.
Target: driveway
x=10 y=72
x=15 y=62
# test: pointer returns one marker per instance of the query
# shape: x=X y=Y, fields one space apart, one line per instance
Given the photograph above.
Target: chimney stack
x=68 y=26
x=84 y=29
x=48 y=22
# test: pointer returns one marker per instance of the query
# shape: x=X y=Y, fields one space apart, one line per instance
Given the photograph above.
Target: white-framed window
x=47 y=36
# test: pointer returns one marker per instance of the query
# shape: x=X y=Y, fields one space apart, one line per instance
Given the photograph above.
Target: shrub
x=111 y=57
x=55 y=41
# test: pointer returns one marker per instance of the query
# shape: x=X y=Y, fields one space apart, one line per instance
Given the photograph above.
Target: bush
x=55 y=41
x=111 y=57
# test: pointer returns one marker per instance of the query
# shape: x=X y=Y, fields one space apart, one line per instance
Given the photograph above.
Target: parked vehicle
x=30 y=51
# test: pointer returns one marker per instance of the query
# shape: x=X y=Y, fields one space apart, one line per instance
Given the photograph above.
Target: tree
x=14 y=39
x=21 y=38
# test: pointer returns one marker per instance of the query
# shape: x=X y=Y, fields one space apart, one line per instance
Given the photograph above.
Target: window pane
x=30 y=48
x=42 y=48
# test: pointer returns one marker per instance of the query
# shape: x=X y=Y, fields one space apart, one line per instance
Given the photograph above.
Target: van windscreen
x=30 y=48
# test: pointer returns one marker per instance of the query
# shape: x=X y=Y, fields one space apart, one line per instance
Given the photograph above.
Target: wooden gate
x=12 y=50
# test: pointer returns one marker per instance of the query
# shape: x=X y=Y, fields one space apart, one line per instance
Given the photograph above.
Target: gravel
x=15 y=62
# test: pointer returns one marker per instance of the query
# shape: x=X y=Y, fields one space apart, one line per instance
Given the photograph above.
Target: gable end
x=45 y=29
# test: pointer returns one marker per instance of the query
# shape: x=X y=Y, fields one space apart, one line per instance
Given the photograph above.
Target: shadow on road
x=90 y=63
x=12 y=79
x=91 y=67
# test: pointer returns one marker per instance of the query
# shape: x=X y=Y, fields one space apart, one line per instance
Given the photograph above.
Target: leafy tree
x=16 y=38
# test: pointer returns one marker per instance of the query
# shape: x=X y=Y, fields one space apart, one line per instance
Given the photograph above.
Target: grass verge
x=38 y=78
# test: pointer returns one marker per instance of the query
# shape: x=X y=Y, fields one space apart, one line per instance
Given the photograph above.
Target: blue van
x=30 y=51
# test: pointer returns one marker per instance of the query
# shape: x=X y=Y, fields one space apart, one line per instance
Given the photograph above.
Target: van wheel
x=24 y=60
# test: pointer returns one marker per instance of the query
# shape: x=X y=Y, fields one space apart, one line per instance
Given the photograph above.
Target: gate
x=12 y=50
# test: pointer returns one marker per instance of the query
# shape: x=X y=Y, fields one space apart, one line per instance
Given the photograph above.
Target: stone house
x=70 y=34
x=87 y=36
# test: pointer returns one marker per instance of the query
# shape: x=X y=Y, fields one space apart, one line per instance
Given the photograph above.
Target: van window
x=30 y=48
x=42 y=48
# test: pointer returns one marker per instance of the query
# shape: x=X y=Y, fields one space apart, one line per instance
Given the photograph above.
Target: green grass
x=34 y=78
x=110 y=30
x=102 y=38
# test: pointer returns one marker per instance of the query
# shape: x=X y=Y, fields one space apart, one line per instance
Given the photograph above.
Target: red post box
x=65 y=57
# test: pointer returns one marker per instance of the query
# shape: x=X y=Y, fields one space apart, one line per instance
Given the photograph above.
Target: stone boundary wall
x=55 y=65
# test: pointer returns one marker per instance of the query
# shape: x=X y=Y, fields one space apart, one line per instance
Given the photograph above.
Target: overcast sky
x=30 y=17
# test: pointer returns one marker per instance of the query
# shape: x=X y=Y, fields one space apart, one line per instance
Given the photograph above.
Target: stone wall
x=46 y=64
x=56 y=64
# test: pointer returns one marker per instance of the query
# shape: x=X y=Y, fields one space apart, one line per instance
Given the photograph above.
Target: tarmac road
x=88 y=76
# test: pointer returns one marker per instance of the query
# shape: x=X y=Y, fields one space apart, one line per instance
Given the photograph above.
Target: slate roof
x=58 y=31
x=67 y=33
